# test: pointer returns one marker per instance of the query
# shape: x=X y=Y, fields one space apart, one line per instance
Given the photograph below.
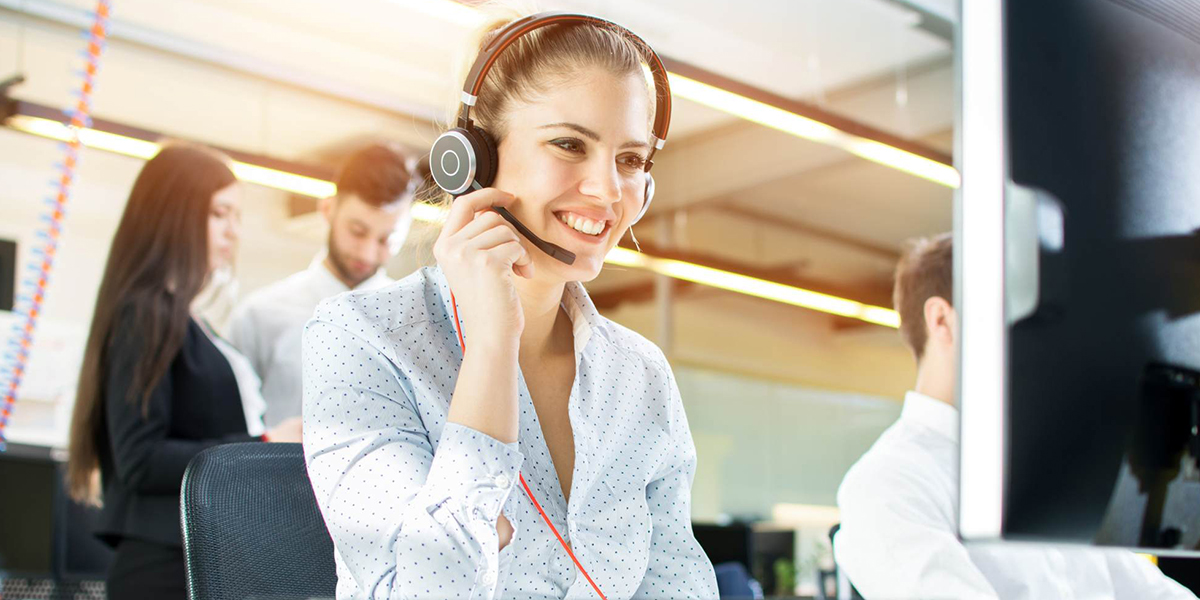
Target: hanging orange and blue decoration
x=30 y=301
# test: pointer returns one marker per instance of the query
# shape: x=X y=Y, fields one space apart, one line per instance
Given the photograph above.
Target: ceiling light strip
x=753 y=286
x=429 y=213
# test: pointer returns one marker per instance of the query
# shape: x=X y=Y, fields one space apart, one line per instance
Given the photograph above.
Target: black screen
x=43 y=533
x=26 y=513
x=1103 y=114
x=8 y=274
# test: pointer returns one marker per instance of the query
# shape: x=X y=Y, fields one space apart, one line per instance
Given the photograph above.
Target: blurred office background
x=781 y=399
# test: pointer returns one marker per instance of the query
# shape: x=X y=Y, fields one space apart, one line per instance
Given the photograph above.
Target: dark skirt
x=142 y=570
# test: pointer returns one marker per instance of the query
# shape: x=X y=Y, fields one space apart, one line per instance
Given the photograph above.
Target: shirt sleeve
x=893 y=543
x=677 y=566
x=407 y=521
x=1134 y=577
x=146 y=458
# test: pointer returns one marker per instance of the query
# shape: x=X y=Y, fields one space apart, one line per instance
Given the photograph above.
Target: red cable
x=463 y=345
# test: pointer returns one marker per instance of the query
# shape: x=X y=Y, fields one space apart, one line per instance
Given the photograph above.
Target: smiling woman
x=415 y=439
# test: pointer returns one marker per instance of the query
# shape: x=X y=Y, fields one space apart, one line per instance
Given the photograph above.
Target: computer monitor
x=27 y=512
x=1077 y=271
x=46 y=534
x=8 y=274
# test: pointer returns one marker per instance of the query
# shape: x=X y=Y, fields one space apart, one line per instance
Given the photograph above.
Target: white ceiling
x=795 y=48
x=386 y=52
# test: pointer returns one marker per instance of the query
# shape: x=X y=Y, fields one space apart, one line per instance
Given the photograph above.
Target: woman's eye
x=633 y=161
x=571 y=145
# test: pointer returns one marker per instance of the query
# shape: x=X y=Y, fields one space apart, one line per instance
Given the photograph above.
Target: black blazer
x=195 y=405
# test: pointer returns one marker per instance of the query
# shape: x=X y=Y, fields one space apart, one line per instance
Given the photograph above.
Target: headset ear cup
x=452 y=160
x=645 y=203
x=486 y=159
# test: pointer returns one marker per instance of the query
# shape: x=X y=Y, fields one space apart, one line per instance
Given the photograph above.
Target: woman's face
x=574 y=160
x=224 y=225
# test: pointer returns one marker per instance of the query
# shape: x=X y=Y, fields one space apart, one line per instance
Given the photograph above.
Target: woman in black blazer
x=155 y=389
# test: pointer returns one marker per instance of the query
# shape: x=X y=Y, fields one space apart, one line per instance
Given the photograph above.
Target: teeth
x=582 y=224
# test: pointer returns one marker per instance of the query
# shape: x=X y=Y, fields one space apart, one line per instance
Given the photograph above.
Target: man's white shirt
x=898 y=536
x=268 y=325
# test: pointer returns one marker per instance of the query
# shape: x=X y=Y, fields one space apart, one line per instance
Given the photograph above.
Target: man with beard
x=368 y=218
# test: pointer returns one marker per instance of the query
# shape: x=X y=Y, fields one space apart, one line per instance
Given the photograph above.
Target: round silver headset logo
x=457 y=163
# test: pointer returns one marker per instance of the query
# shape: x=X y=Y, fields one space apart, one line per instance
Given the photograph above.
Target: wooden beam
x=791 y=225
x=637 y=293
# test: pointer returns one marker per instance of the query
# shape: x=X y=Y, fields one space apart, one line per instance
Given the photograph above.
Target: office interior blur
x=816 y=148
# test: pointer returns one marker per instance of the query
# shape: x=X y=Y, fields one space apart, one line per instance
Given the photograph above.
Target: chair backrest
x=251 y=527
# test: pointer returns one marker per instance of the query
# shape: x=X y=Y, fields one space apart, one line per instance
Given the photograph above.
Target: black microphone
x=557 y=252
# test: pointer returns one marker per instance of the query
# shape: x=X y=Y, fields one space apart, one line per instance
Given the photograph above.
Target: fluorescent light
x=627 y=258
x=145 y=150
x=282 y=180
x=754 y=111
x=429 y=213
x=752 y=286
x=902 y=160
x=813 y=130
x=92 y=138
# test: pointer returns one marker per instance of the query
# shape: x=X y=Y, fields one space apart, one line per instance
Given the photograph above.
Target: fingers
x=463 y=209
x=483 y=221
x=490 y=238
x=510 y=255
x=474 y=233
x=524 y=270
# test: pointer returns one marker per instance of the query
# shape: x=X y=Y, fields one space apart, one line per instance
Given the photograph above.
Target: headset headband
x=513 y=31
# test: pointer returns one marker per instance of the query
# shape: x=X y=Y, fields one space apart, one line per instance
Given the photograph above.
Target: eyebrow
x=592 y=135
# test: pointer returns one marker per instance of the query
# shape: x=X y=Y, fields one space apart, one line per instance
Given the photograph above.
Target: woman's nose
x=602 y=181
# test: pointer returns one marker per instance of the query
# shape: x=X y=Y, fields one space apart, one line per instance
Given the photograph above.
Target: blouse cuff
x=473 y=470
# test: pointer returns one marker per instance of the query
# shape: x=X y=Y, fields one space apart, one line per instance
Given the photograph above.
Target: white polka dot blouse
x=412 y=501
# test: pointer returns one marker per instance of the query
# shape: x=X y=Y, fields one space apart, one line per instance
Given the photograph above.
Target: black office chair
x=251 y=527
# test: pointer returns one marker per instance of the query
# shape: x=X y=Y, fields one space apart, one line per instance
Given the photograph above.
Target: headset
x=465 y=158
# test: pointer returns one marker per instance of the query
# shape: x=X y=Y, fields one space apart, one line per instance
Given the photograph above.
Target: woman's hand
x=479 y=252
x=290 y=430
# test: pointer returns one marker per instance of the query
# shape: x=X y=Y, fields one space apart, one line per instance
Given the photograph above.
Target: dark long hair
x=157 y=264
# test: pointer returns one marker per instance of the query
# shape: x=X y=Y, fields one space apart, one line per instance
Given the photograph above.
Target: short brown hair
x=925 y=271
x=380 y=175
